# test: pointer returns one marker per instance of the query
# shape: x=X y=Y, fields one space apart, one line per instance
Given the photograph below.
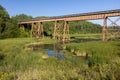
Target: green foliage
x=40 y=17
x=9 y=27
x=84 y=27
x=11 y=30
x=21 y=17
x=49 y=28
x=4 y=17
x=24 y=33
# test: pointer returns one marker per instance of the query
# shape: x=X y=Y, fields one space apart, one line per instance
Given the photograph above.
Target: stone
x=45 y=57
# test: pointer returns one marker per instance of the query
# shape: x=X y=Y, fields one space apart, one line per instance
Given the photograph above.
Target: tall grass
x=100 y=51
x=16 y=63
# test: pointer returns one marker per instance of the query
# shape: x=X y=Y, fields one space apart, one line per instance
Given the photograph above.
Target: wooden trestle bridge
x=38 y=31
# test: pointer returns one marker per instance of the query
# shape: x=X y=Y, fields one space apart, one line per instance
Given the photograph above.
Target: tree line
x=9 y=27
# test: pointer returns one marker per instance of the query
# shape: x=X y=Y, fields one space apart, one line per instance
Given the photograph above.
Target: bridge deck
x=75 y=17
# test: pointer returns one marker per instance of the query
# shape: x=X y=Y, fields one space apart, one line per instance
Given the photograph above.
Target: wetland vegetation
x=18 y=63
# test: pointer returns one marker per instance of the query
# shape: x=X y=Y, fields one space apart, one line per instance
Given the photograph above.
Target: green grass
x=106 y=51
x=18 y=63
x=96 y=35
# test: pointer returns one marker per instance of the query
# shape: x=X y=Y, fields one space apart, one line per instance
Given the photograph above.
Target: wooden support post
x=32 y=30
x=61 y=34
x=41 y=30
x=57 y=34
x=68 y=32
x=114 y=29
x=104 y=32
x=55 y=25
x=37 y=30
x=66 y=35
x=64 y=31
x=58 y=31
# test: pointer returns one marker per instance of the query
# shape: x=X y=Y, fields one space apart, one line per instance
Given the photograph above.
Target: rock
x=45 y=57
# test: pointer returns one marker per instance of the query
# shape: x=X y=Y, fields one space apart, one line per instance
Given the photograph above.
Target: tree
x=4 y=17
x=22 y=17
x=9 y=27
x=84 y=27
x=11 y=30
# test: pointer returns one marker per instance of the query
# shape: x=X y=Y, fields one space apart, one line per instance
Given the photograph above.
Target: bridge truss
x=61 y=24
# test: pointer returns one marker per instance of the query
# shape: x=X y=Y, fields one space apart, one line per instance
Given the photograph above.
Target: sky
x=57 y=7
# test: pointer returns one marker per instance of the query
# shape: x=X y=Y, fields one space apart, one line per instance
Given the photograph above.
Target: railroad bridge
x=38 y=31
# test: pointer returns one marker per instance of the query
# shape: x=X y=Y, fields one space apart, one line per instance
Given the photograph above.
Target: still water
x=55 y=50
x=51 y=49
x=58 y=54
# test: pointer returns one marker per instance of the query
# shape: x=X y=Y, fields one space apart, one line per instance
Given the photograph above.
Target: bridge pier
x=57 y=31
x=61 y=32
x=104 y=31
x=40 y=30
x=66 y=35
x=37 y=30
x=112 y=31
x=55 y=25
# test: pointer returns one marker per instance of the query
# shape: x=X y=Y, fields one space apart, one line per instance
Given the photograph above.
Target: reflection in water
x=58 y=54
x=55 y=50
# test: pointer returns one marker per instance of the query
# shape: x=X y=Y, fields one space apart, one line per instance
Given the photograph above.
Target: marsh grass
x=101 y=52
x=16 y=63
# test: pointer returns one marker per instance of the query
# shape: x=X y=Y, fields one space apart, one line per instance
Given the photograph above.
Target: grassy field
x=17 y=63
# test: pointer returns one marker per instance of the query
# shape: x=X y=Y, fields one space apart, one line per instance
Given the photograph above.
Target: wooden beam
x=104 y=29
x=85 y=16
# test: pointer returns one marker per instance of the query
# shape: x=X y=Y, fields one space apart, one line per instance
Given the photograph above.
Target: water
x=51 y=49
x=58 y=53
x=54 y=50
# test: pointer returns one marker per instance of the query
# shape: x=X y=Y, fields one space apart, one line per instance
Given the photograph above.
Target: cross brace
x=61 y=32
x=37 y=30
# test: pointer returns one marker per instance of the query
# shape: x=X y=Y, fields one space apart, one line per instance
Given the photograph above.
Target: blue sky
x=57 y=7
